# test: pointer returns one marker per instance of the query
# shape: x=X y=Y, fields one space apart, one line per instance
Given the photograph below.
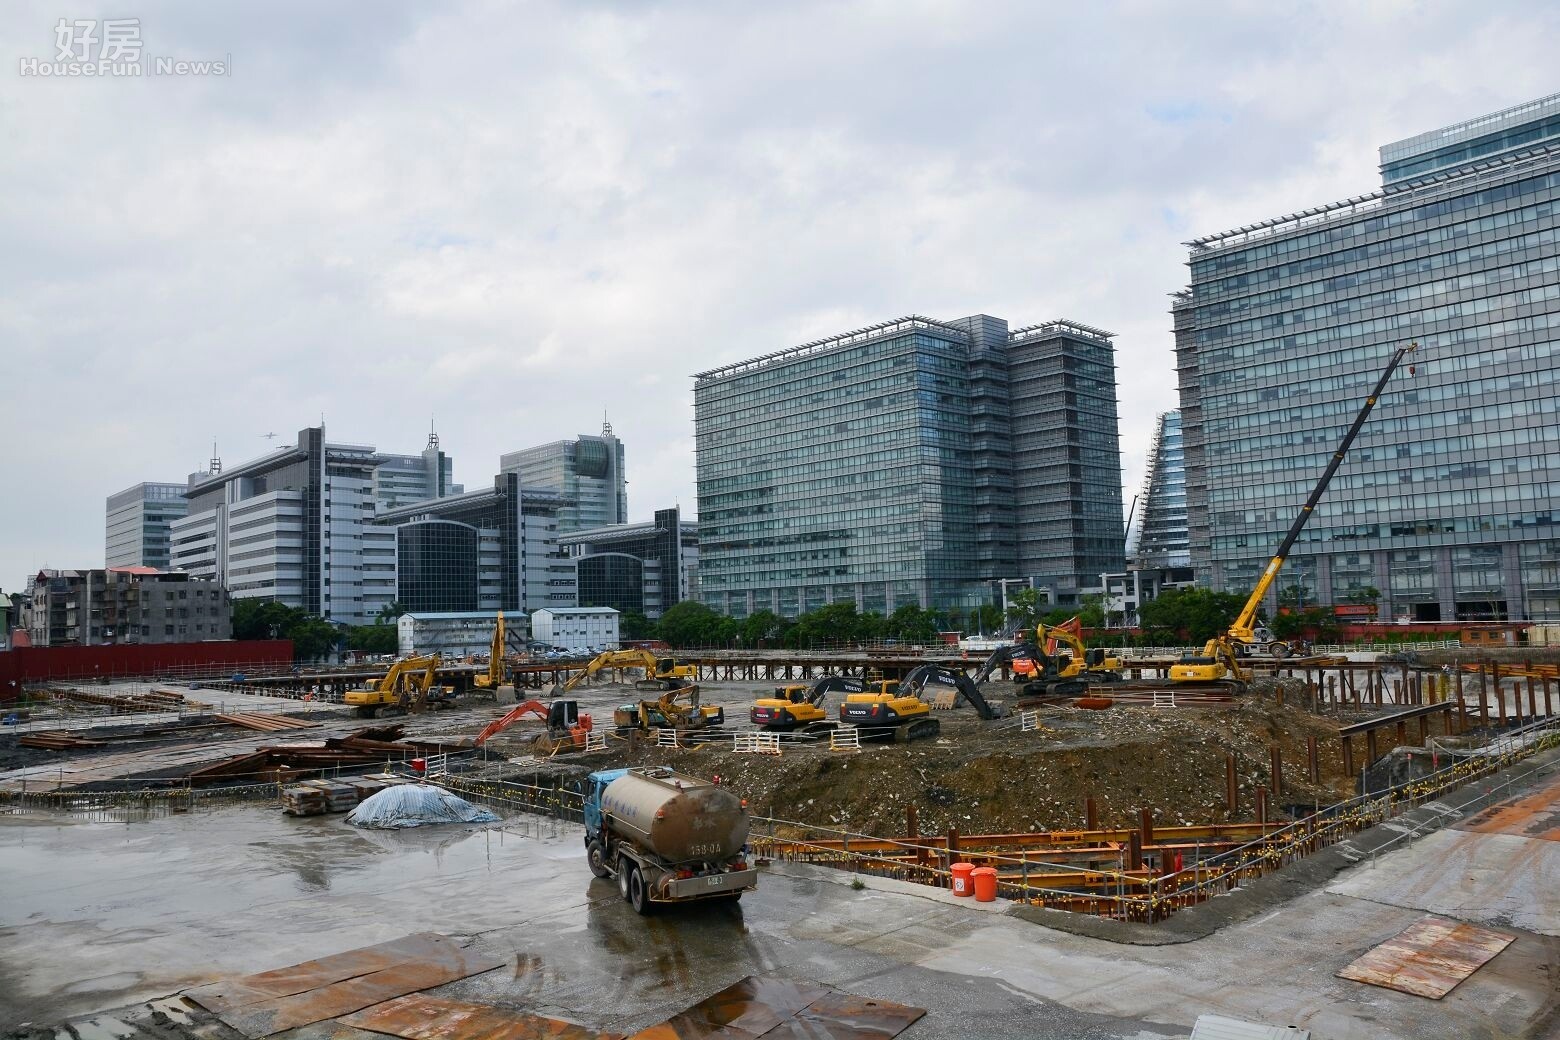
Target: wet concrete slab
x=1485 y=878
x=100 y=916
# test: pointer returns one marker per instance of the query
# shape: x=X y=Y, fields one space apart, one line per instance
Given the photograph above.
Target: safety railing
x=1125 y=880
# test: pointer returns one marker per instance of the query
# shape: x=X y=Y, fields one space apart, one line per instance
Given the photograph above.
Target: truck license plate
x=717 y=879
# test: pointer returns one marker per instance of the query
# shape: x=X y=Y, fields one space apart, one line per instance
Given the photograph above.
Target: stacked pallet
x=154 y=700
x=317 y=797
x=264 y=723
x=58 y=741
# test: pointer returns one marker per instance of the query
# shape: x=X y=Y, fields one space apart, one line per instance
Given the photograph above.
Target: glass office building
x=588 y=471
x=645 y=568
x=138 y=528
x=1446 y=503
x=915 y=462
x=1162 y=540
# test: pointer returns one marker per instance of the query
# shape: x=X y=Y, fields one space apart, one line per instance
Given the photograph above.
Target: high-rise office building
x=642 y=568
x=911 y=462
x=1446 y=503
x=495 y=549
x=588 y=471
x=138 y=525
x=1162 y=541
x=296 y=525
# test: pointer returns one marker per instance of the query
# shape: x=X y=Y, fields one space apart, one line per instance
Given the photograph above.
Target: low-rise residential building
x=124 y=605
x=575 y=627
x=454 y=634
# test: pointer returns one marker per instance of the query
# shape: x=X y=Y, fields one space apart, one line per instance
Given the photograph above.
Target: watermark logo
x=112 y=47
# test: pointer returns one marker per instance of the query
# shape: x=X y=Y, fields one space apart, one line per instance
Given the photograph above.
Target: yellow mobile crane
x=1219 y=661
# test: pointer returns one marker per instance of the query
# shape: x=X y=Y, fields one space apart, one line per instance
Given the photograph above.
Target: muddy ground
x=988 y=777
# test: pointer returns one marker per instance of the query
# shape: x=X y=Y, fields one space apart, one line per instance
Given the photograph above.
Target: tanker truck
x=667 y=837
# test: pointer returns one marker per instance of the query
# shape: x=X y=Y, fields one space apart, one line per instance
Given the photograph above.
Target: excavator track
x=920 y=729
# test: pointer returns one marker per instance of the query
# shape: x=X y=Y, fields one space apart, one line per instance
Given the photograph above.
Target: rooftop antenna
x=216 y=460
x=433 y=438
x=606 y=427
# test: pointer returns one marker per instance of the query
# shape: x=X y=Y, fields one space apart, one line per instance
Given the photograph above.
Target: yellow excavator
x=661 y=673
x=1046 y=673
x=799 y=706
x=495 y=674
x=1219 y=663
x=886 y=711
x=667 y=713
x=409 y=687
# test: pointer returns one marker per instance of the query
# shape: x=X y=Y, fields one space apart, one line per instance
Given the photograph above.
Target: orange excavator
x=566 y=727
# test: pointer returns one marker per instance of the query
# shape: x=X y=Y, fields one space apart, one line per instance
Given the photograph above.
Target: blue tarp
x=413 y=805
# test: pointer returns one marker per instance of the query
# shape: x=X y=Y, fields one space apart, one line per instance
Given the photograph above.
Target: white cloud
x=518 y=218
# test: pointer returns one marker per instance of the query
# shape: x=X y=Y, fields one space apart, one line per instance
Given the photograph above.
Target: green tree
x=312 y=638
x=372 y=639
x=1024 y=607
x=1294 y=595
x=830 y=624
x=1091 y=610
x=263 y=619
x=389 y=613
x=762 y=627
x=632 y=624
x=1190 y=614
x=912 y=624
x=986 y=618
x=690 y=623
x=1317 y=624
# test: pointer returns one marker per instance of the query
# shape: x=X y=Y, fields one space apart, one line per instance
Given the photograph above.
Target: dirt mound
x=990 y=777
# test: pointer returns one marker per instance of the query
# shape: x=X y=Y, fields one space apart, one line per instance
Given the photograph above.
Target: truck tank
x=680 y=818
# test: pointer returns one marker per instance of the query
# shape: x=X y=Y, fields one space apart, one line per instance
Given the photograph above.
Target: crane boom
x=1219 y=658
x=1242 y=629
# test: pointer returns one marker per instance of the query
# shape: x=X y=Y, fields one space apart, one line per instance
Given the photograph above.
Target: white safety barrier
x=1028 y=722
x=1164 y=699
x=755 y=743
x=666 y=738
x=845 y=738
x=596 y=741
x=437 y=765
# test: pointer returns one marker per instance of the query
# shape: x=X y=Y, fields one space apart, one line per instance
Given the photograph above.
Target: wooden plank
x=422 y=1017
x=1428 y=958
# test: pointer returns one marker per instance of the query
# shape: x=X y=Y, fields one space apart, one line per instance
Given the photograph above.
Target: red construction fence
x=31 y=664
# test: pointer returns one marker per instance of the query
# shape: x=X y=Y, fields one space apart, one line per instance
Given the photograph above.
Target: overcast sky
x=517 y=217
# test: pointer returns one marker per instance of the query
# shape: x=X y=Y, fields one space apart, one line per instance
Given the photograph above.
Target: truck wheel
x=624 y=866
x=638 y=897
x=597 y=860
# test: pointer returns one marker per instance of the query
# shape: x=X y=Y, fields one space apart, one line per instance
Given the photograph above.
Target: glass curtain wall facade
x=587 y=471
x=1066 y=457
x=665 y=552
x=137 y=531
x=916 y=462
x=1162 y=541
x=436 y=566
x=1446 y=502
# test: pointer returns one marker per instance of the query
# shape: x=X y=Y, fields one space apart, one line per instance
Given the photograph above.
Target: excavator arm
x=1003 y=655
x=611 y=659
x=942 y=675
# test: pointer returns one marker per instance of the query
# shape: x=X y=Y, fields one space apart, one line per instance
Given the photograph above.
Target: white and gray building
x=576 y=627
x=296 y=525
x=139 y=523
x=643 y=568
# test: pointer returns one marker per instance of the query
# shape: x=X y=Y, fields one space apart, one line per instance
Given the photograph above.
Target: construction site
x=1151 y=813
x=1244 y=839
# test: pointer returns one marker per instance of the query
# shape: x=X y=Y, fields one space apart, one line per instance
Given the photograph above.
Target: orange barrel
x=419 y=765
x=961 y=879
x=985 y=879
